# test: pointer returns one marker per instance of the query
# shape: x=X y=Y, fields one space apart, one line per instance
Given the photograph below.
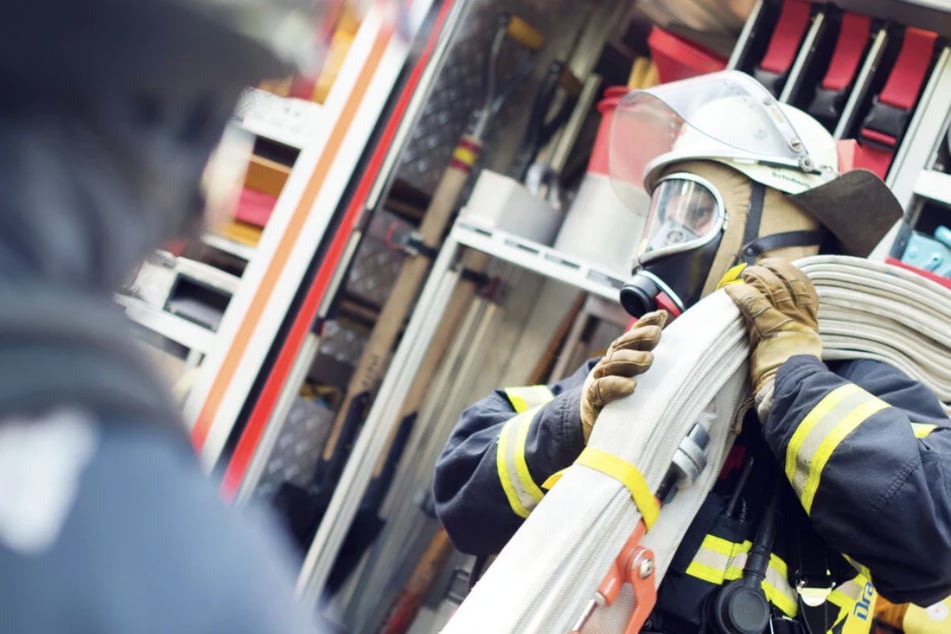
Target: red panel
x=784 y=44
x=264 y=407
x=677 y=58
x=943 y=281
x=904 y=82
x=254 y=207
x=853 y=36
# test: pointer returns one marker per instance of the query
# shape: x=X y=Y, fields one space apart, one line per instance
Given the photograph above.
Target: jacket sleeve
x=489 y=475
x=868 y=453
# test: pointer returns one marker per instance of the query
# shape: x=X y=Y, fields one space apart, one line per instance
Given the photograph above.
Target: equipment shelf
x=384 y=413
x=229 y=246
x=289 y=121
x=934 y=186
x=179 y=330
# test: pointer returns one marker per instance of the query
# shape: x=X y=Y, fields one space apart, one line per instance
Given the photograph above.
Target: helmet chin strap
x=753 y=246
x=752 y=250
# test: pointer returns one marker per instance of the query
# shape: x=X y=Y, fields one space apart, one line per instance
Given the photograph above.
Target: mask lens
x=684 y=214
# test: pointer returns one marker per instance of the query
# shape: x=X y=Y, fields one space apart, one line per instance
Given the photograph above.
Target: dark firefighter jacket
x=865 y=456
x=107 y=523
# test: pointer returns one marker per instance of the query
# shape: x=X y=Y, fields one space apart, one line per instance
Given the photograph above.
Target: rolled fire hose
x=546 y=576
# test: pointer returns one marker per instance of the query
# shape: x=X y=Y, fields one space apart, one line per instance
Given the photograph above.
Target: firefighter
x=110 y=113
x=840 y=471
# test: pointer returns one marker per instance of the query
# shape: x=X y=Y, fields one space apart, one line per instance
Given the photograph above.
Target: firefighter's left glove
x=613 y=376
x=778 y=303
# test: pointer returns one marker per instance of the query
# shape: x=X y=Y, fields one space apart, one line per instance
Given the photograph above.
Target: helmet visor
x=726 y=115
x=686 y=212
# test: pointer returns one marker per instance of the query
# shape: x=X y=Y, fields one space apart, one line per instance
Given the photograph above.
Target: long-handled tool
x=407 y=604
x=543 y=122
x=400 y=302
x=542 y=126
x=437 y=217
x=427 y=569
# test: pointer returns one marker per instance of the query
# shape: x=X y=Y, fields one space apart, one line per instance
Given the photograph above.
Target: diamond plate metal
x=377 y=263
x=458 y=90
x=341 y=343
x=298 y=447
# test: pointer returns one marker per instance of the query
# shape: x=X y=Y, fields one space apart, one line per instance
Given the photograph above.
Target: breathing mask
x=683 y=231
x=717 y=154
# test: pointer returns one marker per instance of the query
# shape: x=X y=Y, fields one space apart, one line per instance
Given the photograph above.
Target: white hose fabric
x=548 y=572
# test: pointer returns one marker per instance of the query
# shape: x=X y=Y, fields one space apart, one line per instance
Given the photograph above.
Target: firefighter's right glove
x=779 y=305
x=613 y=376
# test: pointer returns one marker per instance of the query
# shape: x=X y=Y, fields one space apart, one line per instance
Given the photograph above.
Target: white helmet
x=727 y=117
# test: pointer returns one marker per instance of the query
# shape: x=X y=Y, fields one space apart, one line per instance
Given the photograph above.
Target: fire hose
x=583 y=560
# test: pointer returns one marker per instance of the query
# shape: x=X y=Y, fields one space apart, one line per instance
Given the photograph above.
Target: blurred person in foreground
x=110 y=112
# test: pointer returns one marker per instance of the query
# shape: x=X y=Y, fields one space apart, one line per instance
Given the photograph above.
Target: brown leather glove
x=613 y=376
x=779 y=305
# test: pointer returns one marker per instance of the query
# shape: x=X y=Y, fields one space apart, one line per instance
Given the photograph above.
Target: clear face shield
x=726 y=115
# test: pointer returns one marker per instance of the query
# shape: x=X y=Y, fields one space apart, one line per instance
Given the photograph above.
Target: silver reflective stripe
x=525 y=398
x=856 y=600
x=850 y=589
x=718 y=561
x=820 y=432
x=520 y=490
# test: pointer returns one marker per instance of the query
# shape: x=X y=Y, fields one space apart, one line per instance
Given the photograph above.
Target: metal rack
x=229 y=246
x=292 y=122
x=910 y=175
x=934 y=186
x=284 y=382
x=384 y=413
x=181 y=331
x=331 y=139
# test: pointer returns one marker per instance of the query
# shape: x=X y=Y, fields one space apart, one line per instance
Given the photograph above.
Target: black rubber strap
x=476 y=277
x=759 y=246
x=754 y=215
x=417 y=247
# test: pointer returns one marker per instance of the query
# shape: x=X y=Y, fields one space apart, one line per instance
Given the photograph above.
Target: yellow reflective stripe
x=723 y=546
x=856 y=602
x=863 y=570
x=706 y=572
x=719 y=560
x=525 y=398
x=777 y=588
x=845 y=594
x=520 y=490
x=501 y=463
x=935 y=619
x=553 y=479
x=922 y=429
x=835 y=417
x=628 y=475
